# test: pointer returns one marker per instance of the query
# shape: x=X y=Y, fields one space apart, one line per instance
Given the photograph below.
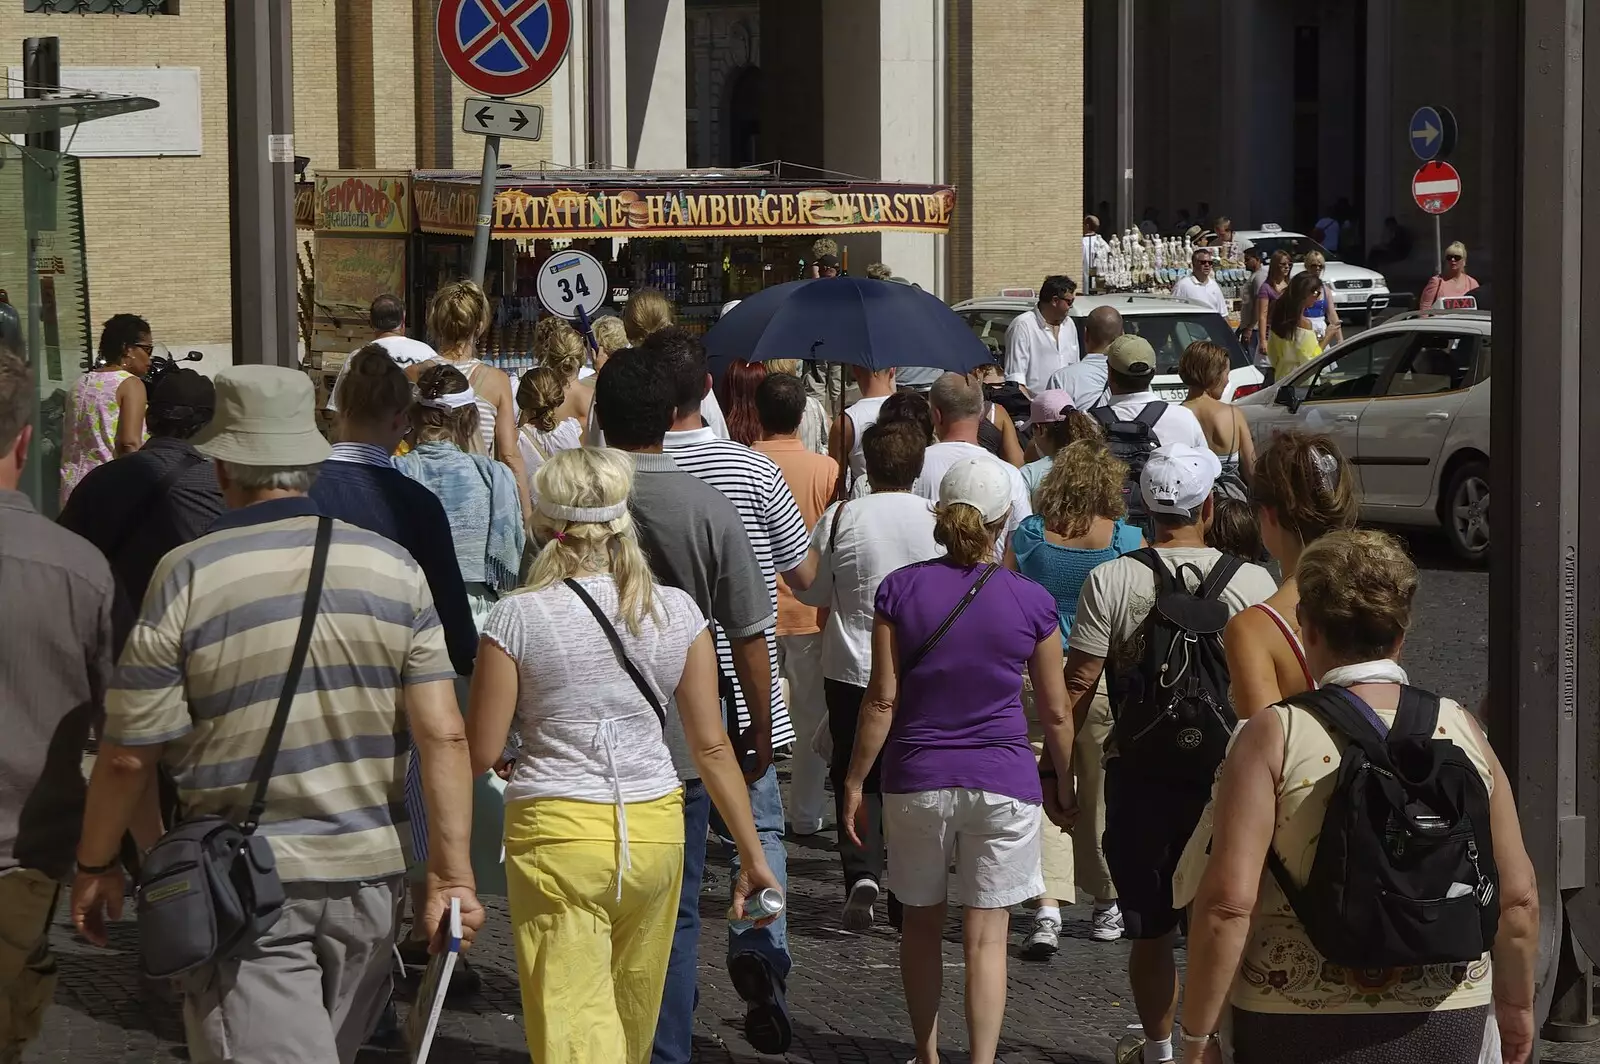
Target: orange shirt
x=811 y=478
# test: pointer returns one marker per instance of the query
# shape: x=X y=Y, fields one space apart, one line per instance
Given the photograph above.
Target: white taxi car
x=1356 y=289
x=1169 y=324
x=1408 y=403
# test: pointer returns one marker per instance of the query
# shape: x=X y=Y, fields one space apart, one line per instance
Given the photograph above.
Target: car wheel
x=1466 y=511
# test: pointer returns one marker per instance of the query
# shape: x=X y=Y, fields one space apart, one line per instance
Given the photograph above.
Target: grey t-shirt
x=54 y=669
x=695 y=541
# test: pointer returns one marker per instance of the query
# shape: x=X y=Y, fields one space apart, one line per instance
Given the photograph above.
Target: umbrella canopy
x=853 y=320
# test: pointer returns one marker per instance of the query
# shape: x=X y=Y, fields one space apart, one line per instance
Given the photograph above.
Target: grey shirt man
x=55 y=665
x=695 y=541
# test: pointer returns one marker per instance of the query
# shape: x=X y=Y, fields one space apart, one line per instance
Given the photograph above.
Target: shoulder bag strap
x=1218 y=578
x=939 y=633
x=1290 y=638
x=833 y=533
x=1417 y=716
x=1350 y=717
x=1151 y=414
x=291 y=679
x=622 y=655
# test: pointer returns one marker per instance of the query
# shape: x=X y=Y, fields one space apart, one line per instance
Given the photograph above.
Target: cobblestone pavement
x=845 y=992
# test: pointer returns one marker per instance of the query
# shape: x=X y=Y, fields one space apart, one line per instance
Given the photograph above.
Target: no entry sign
x=504 y=47
x=1436 y=187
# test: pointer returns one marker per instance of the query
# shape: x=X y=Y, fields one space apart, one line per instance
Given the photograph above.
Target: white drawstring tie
x=606 y=738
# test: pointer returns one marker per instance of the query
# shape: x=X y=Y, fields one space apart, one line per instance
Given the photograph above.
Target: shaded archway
x=741 y=117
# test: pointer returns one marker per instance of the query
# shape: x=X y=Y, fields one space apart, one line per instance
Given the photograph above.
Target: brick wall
x=1014 y=141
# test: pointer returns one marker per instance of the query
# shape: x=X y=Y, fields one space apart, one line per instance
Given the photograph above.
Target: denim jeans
x=675 y=1025
x=770 y=942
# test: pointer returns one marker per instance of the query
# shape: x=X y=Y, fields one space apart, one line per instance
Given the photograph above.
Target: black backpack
x=1404 y=872
x=1132 y=442
x=1171 y=713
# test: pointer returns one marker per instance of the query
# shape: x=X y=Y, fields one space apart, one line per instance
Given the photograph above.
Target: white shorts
x=994 y=839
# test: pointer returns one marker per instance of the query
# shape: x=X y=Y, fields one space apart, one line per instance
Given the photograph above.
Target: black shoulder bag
x=622 y=655
x=211 y=886
x=939 y=633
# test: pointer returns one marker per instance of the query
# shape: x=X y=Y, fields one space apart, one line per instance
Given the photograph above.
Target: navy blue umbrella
x=853 y=320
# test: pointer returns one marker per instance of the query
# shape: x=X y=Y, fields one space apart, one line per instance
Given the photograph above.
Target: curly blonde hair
x=610 y=334
x=1084 y=483
x=458 y=316
x=592 y=477
x=1356 y=590
x=559 y=346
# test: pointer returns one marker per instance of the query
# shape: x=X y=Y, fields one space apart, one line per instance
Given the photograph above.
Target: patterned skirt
x=1451 y=1036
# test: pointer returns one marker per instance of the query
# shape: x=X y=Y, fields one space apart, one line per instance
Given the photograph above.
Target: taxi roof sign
x=1019 y=293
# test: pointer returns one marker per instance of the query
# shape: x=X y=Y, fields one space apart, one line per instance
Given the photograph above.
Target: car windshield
x=1296 y=246
x=1169 y=334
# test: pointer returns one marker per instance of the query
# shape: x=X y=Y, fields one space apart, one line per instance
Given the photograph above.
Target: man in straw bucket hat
x=209 y=667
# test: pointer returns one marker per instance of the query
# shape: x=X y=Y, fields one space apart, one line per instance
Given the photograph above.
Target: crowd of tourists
x=546 y=638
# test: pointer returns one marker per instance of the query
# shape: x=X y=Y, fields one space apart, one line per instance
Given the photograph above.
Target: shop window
x=101 y=7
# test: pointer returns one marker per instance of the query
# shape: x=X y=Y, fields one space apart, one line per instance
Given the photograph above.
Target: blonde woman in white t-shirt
x=594 y=810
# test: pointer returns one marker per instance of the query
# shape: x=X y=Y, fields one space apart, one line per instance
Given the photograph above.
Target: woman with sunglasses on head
x=1324 y=313
x=1455 y=281
x=104 y=418
x=1279 y=266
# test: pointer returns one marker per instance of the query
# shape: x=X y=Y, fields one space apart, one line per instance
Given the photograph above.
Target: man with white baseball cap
x=1149 y=818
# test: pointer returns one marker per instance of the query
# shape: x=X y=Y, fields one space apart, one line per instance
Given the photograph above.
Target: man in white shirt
x=387 y=316
x=1149 y=816
x=1094 y=245
x=1086 y=379
x=957 y=405
x=1201 y=286
x=1043 y=340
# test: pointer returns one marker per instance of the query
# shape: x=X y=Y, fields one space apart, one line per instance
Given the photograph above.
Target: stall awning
x=584 y=205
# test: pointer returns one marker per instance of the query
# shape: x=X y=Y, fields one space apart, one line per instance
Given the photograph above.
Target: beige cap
x=265 y=416
x=1131 y=356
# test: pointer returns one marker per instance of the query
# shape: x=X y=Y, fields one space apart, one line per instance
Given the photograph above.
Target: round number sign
x=570 y=281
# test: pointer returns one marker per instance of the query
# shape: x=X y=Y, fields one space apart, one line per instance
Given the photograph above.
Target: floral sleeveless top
x=89 y=429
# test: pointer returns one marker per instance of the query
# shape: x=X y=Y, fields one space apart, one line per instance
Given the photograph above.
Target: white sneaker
x=858 y=906
x=1044 y=941
x=1107 y=924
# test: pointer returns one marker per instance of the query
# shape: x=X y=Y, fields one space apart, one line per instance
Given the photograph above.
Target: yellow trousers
x=592 y=967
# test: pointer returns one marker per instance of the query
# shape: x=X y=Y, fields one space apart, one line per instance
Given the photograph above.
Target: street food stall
x=362 y=226
x=702 y=237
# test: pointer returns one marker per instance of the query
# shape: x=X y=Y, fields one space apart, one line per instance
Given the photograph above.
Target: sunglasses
x=1202 y=262
x=1453 y=258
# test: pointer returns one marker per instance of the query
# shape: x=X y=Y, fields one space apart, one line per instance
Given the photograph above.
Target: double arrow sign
x=499 y=118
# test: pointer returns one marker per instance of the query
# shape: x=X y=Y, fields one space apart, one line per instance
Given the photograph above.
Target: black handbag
x=210 y=886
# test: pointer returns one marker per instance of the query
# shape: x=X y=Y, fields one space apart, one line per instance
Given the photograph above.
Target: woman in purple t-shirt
x=959 y=780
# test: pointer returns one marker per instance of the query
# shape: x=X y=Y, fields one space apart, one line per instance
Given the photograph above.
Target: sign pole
x=483 y=231
x=1438 y=249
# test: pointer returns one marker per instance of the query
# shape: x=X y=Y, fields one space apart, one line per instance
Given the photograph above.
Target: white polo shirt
x=1208 y=294
x=1033 y=355
x=1177 y=423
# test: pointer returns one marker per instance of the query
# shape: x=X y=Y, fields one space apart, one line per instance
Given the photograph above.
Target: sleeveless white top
x=863 y=415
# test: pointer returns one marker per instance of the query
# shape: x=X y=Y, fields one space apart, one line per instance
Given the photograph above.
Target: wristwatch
x=97 y=870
